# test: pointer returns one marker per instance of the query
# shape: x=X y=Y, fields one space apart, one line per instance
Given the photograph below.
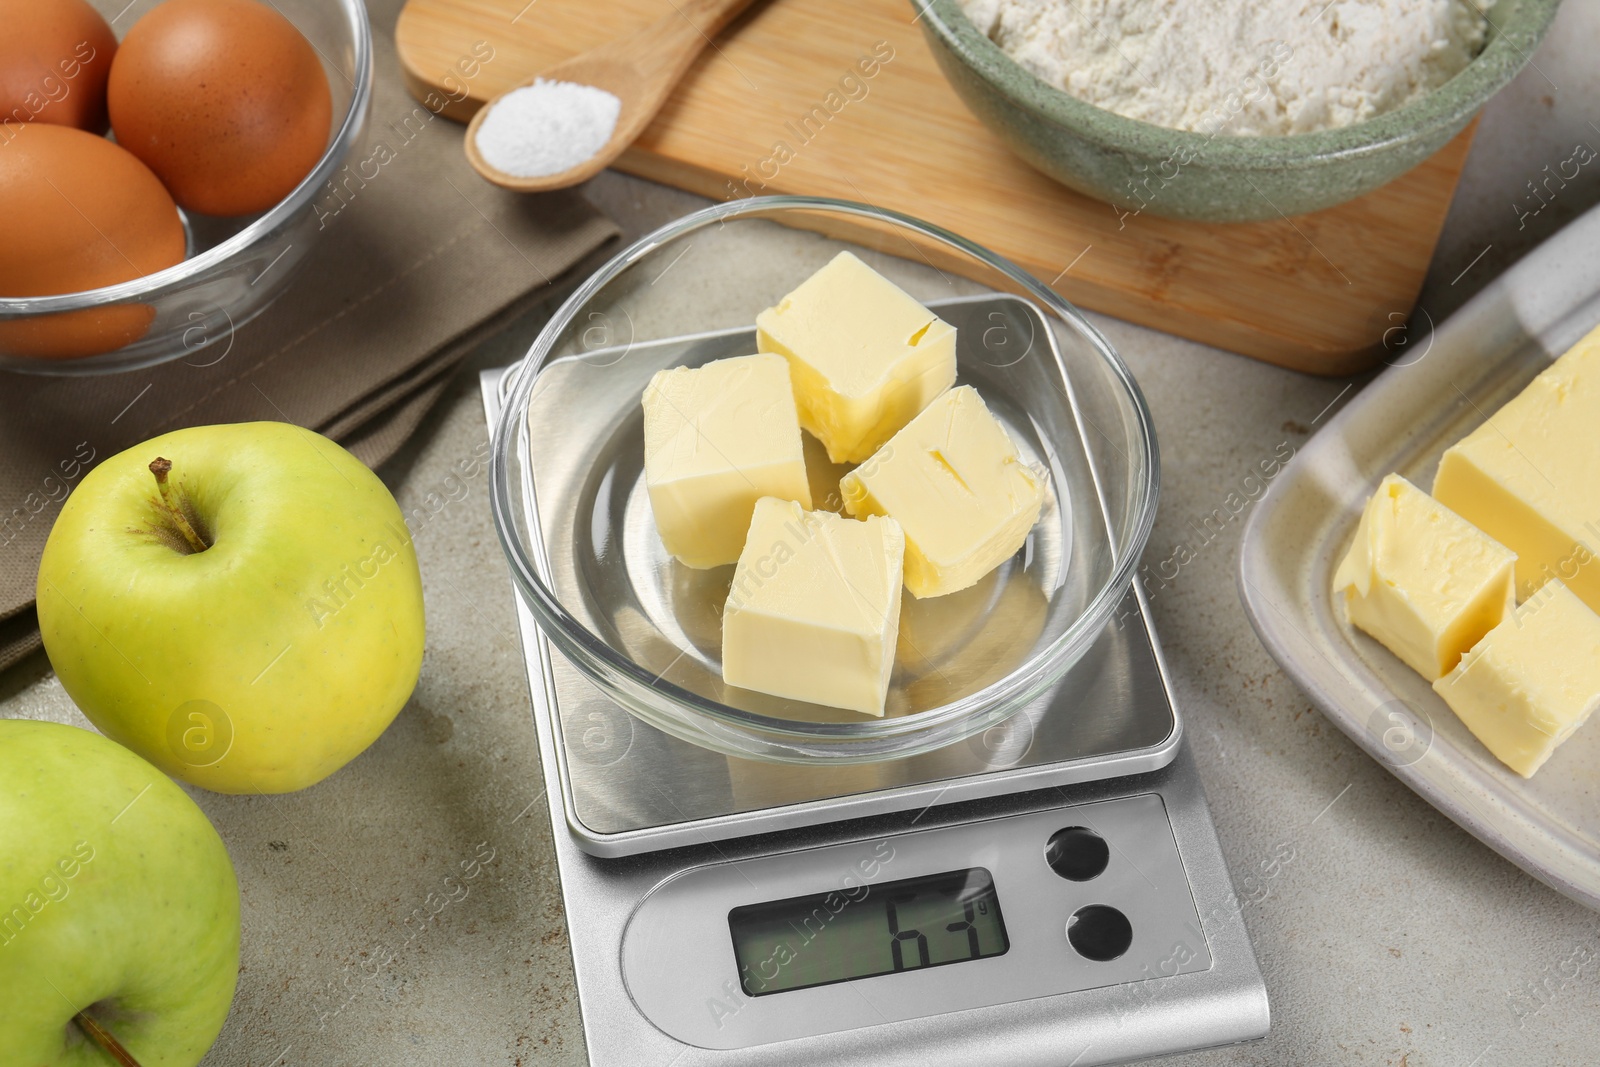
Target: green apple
x=117 y=900
x=238 y=604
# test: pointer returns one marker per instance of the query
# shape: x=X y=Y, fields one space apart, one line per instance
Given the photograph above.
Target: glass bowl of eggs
x=812 y=482
x=160 y=191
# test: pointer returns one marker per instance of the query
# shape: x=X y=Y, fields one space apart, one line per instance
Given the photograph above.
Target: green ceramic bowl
x=1142 y=168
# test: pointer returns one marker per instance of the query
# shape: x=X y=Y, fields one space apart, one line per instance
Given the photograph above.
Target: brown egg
x=224 y=100
x=55 y=56
x=78 y=212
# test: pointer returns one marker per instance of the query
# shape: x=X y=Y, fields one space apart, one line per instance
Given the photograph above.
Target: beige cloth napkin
x=422 y=264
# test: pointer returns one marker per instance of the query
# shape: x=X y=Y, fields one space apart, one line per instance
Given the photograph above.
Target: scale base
x=1131 y=1020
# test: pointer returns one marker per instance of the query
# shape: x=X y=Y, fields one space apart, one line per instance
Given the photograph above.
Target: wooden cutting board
x=1316 y=292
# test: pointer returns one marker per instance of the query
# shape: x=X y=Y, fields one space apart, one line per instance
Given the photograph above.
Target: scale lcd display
x=866 y=931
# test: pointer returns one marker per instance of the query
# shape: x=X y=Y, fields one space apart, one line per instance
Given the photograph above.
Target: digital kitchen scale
x=1048 y=893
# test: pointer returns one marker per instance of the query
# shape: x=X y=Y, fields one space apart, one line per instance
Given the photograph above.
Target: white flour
x=547 y=127
x=1238 y=66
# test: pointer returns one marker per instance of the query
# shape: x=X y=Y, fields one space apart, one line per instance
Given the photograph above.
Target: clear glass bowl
x=573 y=516
x=235 y=267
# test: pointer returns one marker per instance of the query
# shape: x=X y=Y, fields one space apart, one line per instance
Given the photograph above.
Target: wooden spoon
x=639 y=70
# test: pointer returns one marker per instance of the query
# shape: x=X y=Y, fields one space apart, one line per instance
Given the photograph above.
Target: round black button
x=1099 y=932
x=1078 y=853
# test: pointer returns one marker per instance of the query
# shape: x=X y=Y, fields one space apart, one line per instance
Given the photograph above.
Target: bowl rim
x=1450 y=104
x=176 y=276
x=571 y=635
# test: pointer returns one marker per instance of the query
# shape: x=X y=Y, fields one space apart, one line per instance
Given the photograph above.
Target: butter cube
x=1532 y=681
x=954 y=481
x=1530 y=476
x=865 y=355
x=814 y=610
x=717 y=438
x=1422 y=580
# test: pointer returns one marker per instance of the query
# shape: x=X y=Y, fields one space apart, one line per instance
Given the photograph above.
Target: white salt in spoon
x=639 y=70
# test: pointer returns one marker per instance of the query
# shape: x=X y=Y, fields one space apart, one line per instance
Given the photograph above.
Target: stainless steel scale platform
x=734 y=912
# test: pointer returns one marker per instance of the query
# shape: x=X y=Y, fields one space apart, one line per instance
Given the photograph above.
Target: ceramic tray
x=1441 y=386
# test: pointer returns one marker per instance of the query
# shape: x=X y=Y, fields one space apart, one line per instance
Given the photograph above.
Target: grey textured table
x=1390 y=936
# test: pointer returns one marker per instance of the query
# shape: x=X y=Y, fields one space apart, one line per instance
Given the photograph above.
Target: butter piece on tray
x=954 y=481
x=1531 y=681
x=866 y=357
x=1530 y=475
x=814 y=610
x=1422 y=580
x=717 y=438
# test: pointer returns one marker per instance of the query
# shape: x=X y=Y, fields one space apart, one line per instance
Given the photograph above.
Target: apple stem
x=102 y=1037
x=161 y=468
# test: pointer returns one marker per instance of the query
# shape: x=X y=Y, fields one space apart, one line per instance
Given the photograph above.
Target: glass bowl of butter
x=635 y=585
